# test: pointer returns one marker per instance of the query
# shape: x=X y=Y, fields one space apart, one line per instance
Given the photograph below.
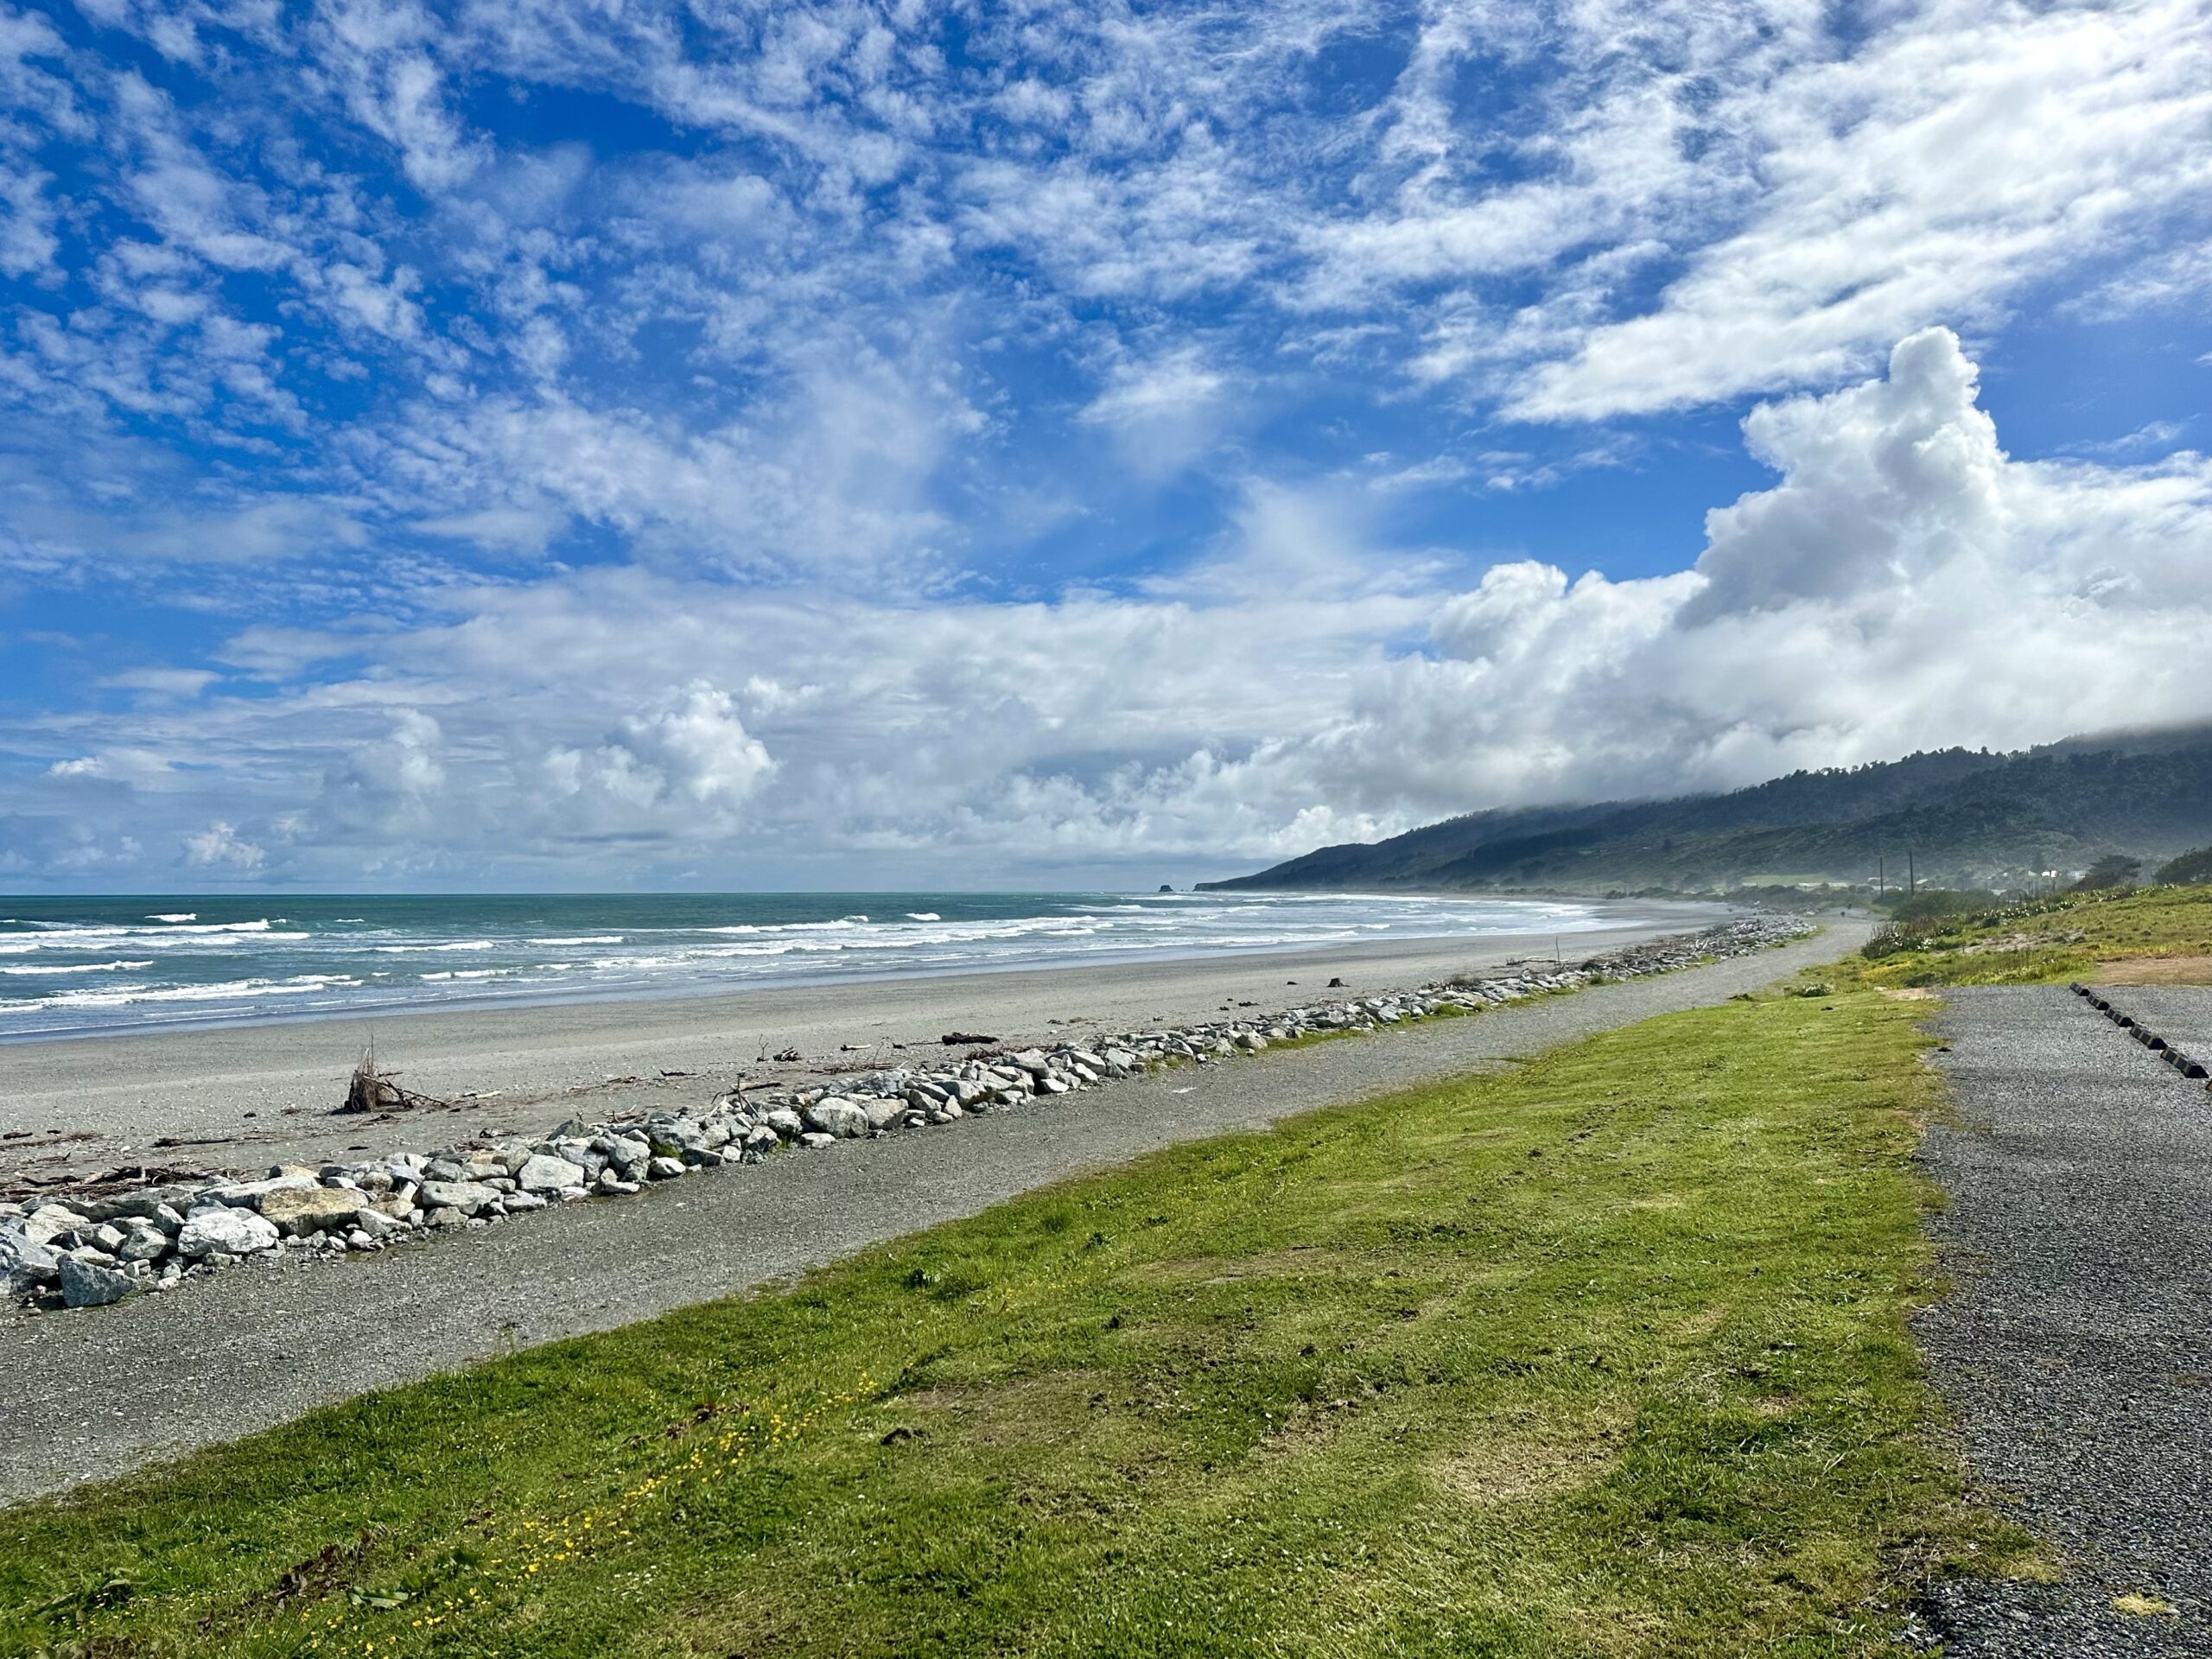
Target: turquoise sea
x=73 y=966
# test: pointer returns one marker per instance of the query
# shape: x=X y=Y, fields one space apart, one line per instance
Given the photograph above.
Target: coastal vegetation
x=2116 y=935
x=1605 y=1354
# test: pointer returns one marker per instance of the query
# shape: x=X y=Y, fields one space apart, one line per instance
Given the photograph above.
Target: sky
x=616 y=444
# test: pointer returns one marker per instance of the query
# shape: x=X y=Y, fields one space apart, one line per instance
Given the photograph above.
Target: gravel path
x=92 y=1395
x=2077 y=1343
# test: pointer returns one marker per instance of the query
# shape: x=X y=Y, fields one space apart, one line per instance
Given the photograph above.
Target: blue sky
x=590 y=446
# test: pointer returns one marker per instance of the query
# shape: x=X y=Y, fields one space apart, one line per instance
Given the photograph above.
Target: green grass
x=1604 y=1356
x=2050 y=940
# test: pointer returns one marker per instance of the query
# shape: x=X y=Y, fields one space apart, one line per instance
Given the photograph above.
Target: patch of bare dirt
x=2154 y=970
x=1514 y=1463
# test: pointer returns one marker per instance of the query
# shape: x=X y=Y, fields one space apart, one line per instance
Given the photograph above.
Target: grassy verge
x=1606 y=1356
x=2068 y=936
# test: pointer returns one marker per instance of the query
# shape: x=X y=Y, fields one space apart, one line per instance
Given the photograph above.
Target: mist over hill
x=1959 y=817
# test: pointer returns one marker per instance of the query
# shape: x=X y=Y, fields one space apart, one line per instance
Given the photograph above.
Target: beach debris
x=160 y=1228
x=371 y=1089
x=964 y=1038
x=787 y=1056
x=1336 y=985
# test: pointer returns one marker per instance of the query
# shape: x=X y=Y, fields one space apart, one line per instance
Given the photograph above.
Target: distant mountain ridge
x=1962 y=817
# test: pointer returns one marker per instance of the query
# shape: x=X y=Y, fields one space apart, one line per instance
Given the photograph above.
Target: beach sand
x=242 y=1098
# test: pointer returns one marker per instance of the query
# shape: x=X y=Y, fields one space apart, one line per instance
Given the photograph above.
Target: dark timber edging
x=2186 y=1064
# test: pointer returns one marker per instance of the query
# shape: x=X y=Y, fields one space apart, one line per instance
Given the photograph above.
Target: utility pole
x=1881 y=877
x=1911 y=879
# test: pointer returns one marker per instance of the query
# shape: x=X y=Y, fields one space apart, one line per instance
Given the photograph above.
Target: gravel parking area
x=2076 y=1344
x=93 y=1394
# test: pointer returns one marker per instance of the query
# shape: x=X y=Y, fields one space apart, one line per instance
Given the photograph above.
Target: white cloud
x=219 y=848
x=700 y=745
x=1964 y=152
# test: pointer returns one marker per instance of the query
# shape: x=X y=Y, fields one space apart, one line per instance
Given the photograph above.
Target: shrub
x=2189 y=870
x=1931 y=903
x=2112 y=870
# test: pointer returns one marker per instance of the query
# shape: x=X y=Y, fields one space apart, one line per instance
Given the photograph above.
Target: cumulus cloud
x=700 y=745
x=1906 y=582
x=219 y=848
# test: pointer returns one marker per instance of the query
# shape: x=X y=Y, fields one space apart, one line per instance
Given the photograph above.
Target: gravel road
x=91 y=1395
x=2075 y=1345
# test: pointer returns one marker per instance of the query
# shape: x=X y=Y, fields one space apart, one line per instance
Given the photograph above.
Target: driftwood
x=374 y=1091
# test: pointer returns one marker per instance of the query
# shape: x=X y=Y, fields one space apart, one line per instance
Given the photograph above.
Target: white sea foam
x=175 y=916
x=44 y=969
x=227 y=991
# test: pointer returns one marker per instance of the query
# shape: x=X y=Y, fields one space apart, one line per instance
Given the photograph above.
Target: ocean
x=74 y=966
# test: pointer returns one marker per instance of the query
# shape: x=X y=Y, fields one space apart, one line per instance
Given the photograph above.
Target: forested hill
x=1962 y=817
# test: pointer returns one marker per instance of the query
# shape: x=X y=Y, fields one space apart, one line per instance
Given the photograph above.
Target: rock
x=543 y=1172
x=610 y=1185
x=814 y=1138
x=1030 y=1060
x=142 y=1241
x=881 y=1114
x=50 y=1220
x=375 y=1224
x=230 y=1233
x=25 y=1263
x=467 y=1197
x=299 y=1211
x=252 y=1192
x=665 y=1169
x=838 y=1117
x=147 y=1202
x=786 y=1123
x=84 y=1285
x=515 y=1203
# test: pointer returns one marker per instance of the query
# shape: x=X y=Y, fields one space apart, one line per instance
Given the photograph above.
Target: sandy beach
x=245 y=1097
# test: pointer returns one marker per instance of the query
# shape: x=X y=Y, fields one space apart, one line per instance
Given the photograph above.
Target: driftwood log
x=373 y=1090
